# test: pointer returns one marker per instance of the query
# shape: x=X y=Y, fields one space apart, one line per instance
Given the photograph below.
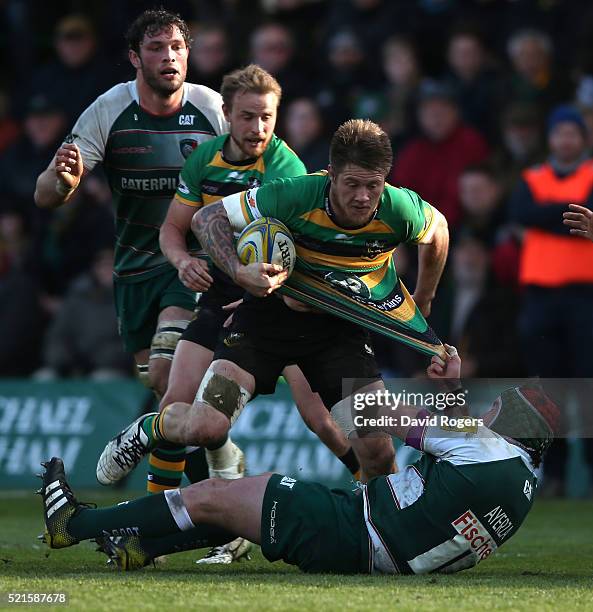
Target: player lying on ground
x=346 y=220
x=467 y=495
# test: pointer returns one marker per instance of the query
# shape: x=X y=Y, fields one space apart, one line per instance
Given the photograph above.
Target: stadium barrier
x=74 y=420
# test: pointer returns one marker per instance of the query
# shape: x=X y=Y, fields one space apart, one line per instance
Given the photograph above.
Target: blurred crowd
x=473 y=93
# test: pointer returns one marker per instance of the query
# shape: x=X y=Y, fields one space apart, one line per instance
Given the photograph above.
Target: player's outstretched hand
x=261 y=279
x=194 y=274
x=580 y=221
x=451 y=368
x=69 y=166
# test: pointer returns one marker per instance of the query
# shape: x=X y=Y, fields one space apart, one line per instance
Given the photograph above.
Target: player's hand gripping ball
x=267 y=240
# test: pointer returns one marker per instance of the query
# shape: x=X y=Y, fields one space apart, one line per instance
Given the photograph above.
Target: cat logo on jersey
x=349 y=283
x=187 y=146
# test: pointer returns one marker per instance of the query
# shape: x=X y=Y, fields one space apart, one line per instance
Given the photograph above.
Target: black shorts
x=266 y=336
x=207 y=325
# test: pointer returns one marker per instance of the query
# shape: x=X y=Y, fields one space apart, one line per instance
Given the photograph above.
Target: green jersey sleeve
x=189 y=190
x=409 y=216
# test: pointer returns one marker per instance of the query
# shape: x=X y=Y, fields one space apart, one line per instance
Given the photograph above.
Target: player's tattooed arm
x=213 y=229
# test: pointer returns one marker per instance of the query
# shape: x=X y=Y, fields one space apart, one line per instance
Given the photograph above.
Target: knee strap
x=166 y=338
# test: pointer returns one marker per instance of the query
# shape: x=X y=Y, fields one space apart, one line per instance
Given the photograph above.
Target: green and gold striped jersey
x=142 y=155
x=207 y=176
x=361 y=256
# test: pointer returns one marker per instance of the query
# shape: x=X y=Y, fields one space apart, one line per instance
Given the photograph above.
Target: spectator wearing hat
x=44 y=126
x=432 y=163
x=79 y=73
x=556 y=268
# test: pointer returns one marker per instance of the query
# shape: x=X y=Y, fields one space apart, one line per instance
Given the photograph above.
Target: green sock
x=151 y=516
x=202 y=536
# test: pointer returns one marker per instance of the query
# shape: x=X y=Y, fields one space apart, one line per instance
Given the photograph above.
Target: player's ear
x=134 y=59
x=331 y=173
x=226 y=110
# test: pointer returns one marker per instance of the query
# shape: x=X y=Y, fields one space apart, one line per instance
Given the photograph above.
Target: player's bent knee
x=207 y=432
x=222 y=392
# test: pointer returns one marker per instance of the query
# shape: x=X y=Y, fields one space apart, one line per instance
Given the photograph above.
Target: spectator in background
x=346 y=76
x=394 y=106
x=473 y=311
x=22 y=320
x=67 y=240
x=372 y=21
x=272 y=48
x=209 y=56
x=9 y=128
x=44 y=127
x=521 y=142
x=534 y=79
x=556 y=271
x=474 y=81
x=79 y=73
x=432 y=163
x=83 y=340
x=304 y=133
x=480 y=194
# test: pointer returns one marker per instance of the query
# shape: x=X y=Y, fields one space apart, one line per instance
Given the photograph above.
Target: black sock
x=196 y=466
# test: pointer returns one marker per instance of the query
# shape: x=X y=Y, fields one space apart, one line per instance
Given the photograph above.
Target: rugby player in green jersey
x=250 y=155
x=142 y=131
x=466 y=496
x=348 y=220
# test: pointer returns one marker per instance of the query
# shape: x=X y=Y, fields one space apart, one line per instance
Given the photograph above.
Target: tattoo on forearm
x=212 y=228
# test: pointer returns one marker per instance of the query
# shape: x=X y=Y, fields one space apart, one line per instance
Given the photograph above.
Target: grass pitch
x=548 y=565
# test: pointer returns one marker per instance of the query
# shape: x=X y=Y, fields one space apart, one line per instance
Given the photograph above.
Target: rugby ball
x=267 y=240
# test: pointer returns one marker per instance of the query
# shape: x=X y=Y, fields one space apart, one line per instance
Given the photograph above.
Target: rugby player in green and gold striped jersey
x=362 y=221
x=249 y=156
